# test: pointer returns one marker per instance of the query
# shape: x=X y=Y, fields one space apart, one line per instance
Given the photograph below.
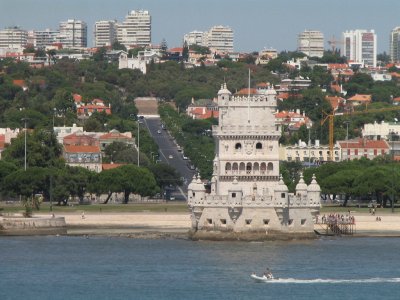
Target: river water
x=123 y=268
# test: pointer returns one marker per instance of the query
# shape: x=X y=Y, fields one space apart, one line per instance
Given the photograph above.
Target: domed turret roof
x=224 y=90
x=301 y=186
x=314 y=186
x=281 y=187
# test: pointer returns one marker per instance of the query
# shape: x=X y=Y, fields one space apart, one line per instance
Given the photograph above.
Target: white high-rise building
x=43 y=38
x=194 y=38
x=136 y=29
x=73 y=34
x=311 y=43
x=219 y=39
x=13 y=38
x=360 y=46
x=105 y=33
x=395 y=45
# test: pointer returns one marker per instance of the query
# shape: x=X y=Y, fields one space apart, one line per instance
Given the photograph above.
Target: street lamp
x=393 y=135
x=347 y=138
x=25 y=119
x=138 y=137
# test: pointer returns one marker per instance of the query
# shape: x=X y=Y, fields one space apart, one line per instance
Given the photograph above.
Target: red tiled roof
x=359 y=97
x=176 y=49
x=364 y=144
x=110 y=166
x=283 y=96
x=114 y=135
x=81 y=149
x=337 y=66
x=77 y=97
x=198 y=112
x=397 y=99
x=19 y=82
x=288 y=114
x=335 y=101
x=263 y=84
x=245 y=92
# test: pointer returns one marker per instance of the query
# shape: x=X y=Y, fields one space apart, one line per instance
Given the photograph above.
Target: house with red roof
x=97 y=105
x=336 y=102
x=202 y=109
x=360 y=99
x=80 y=139
x=292 y=120
x=85 y=156
x=362 y=147
x=115 y=136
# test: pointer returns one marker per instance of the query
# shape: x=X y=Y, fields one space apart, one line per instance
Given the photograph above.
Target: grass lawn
x=103 y=208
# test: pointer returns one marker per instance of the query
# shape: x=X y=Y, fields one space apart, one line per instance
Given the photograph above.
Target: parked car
x=159 y=131
x=170 y=156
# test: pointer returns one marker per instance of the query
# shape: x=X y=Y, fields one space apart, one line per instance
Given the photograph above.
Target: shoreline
x=171 y=225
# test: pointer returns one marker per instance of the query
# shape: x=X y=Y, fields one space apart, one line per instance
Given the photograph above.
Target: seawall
x=32 y=226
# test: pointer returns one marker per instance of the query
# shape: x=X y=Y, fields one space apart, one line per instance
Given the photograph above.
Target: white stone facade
x=13 y=38
x=247 y=194
x=311 y=43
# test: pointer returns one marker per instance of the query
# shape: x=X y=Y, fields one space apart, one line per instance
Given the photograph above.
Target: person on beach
x=83 y=215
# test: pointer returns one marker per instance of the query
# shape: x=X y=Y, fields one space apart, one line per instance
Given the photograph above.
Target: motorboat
x=262 y=278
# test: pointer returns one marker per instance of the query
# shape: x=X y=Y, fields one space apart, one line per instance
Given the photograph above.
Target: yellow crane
x=331 y=118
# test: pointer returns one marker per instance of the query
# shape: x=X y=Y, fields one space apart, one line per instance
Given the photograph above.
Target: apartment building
x=360 y=46
x=394 y=47
x=194 y=38
x=105 y=33
x=219 y=39
x=135 y=30
x=43 y=38
x=311 y=43
x=73 y=34
x=13 y=38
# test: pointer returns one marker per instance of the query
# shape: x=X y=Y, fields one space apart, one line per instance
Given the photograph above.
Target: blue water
x=123 y=268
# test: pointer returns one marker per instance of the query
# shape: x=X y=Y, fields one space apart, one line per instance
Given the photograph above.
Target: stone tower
x=248 y=199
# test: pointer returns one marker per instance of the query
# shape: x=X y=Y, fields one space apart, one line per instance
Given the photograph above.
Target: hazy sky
x=256 y=23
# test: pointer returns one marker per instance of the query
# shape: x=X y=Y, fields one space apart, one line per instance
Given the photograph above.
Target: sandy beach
x=153 y=225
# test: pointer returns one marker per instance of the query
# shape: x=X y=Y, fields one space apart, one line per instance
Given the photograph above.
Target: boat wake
x=321 y=280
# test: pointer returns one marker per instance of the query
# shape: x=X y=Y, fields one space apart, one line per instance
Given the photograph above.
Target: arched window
x=263 y=167
x=235 y=167
x=270 y=166
x=238 y=146
x=256 y=167
x=248 y=168
x=258 y=146
x=228 y=166
x=242 y=167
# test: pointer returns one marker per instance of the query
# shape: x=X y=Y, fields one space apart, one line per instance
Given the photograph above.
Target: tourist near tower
x=248 y=198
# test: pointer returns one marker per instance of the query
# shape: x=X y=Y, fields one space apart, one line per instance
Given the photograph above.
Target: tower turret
x=314 y=193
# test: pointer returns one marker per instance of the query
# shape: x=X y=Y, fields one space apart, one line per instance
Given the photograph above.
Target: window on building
x=266 y=221
x=290 y=221
x=233 y=195
x=238 y=146
x=209 y=221
x=283 y=195
x=248 y=221
x=258 y=146
x=270 y=166
x=303 y=222
x=223 y=221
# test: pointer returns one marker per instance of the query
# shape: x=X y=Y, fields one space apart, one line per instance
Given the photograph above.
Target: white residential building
x=141 y=61
x=377 y=131
x=394 y=47
x=105 y=33
x=194 y=38
x=311 y=43
x=135 y=30
x=73 y=34
x=13 y=38
x=309 y=153
x=43 y=38
x=219 y=39
x=360 y=46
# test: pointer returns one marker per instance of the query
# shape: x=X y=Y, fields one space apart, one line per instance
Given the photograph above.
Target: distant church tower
x=248 y=199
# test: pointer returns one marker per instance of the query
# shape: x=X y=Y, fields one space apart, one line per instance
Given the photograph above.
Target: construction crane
x=333 y=42
x=331 y=118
